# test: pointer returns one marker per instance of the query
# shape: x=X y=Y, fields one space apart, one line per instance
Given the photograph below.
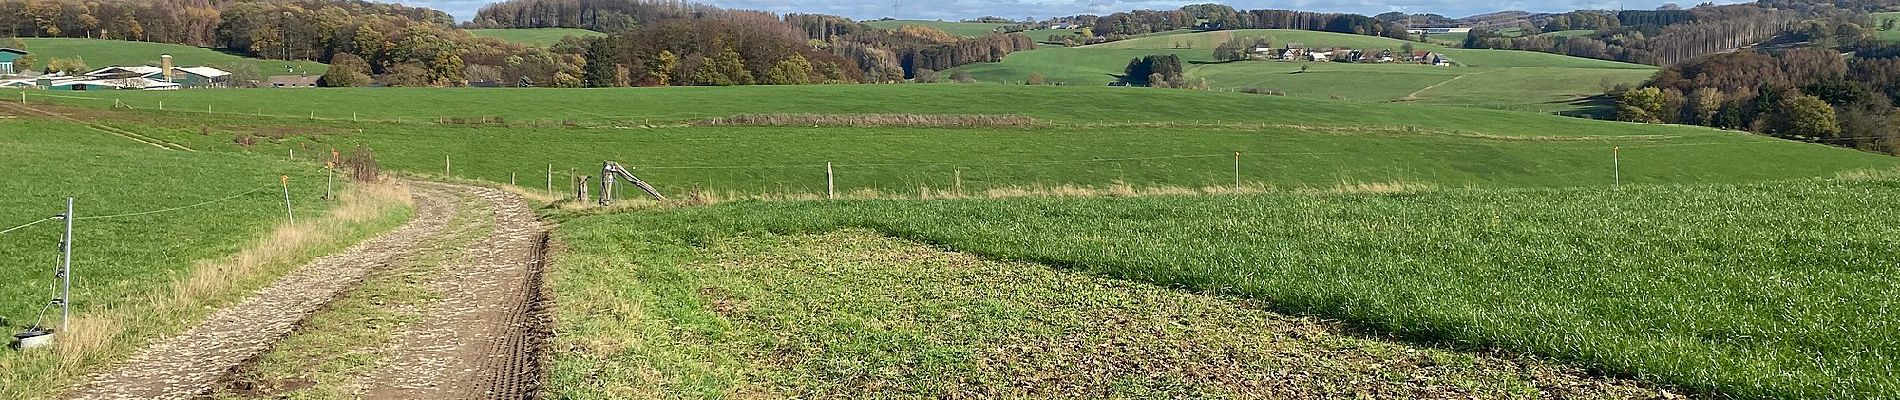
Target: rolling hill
x=539 y=37
x=103 y=53
x=1516 y=80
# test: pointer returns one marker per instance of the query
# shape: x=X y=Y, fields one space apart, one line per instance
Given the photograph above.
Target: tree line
x=652 y=42
x=1217 y=16
x=1650 y=37
x=204 y=23
x=761 y=39
x=1810 y=94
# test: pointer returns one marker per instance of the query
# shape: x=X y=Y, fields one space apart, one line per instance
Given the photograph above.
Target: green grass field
x=1491 y=78
x=1498 y=228
x=1880 y=20
x=1736 y=290
x=964 y=29
x=1095 y=136
x=542 y=37
x=104 y=53
x=131 y=273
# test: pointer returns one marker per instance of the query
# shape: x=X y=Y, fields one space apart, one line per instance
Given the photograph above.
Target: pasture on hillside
x=964 y=29
x=1739 y=290
x=1486 y=78
x=633 y=107
x=1881 y=20
x=1138 y=137
x=537 y=37
x=100 y=53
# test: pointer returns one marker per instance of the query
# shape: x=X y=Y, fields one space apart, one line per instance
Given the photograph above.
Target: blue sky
x=1017 y=9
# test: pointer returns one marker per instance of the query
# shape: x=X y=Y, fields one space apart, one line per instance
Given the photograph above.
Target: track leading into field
x=482 y=341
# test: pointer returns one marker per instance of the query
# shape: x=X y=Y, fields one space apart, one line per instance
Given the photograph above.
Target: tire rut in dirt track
x=192 y=363
x=489 y=314
x=483 y=339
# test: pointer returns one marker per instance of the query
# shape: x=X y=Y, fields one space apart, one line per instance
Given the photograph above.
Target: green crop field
x=542 y=37
x=104 y=53
x=1490 y=78
x=964 y=29
x=1724 y=289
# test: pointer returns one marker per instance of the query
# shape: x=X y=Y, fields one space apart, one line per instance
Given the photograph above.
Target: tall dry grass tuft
x=1393 y=187
x=873 y=120
x=101 y=334
x=1869 y=174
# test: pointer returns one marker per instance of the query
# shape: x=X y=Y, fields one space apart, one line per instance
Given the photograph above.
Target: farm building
x=135 y=83
x=293 y=81
x=7 y=56
x=183 y=77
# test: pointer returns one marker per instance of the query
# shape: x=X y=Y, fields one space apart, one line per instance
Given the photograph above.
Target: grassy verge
x=348 y=338
x=109 y=330
x=1765 y=290
x=852 y=313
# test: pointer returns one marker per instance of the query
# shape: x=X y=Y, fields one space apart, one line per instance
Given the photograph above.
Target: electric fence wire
x=179 y=208
x=3 y=232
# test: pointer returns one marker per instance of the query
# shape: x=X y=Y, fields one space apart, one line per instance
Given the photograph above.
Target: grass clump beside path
x=852 y=314
x=1743 y=290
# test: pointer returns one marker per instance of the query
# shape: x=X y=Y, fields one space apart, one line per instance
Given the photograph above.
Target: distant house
x=293 y=81
x=1320 y=56
x=7 y=56
x=1344 y=54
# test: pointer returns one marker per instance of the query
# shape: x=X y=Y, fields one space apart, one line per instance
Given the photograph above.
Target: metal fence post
x=66 y=272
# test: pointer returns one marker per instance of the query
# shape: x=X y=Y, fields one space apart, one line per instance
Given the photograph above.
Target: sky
x=952 y=10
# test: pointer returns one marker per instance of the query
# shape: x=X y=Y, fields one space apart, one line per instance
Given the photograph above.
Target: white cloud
x=1016 y=9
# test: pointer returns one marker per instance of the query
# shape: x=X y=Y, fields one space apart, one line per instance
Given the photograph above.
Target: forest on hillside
x=1669 y=36
x=652 y=42
x=1810 y=94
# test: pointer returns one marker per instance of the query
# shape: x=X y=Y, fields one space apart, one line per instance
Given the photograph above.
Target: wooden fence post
x=831 y=184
